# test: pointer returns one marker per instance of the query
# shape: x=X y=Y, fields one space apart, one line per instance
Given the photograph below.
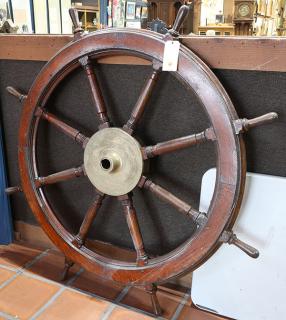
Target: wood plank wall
x=240 y=53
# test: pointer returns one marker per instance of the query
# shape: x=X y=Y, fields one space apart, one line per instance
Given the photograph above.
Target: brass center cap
x=113 y=161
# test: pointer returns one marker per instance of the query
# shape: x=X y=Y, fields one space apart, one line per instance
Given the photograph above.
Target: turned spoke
x=131 y=218
x=142 y=101
x=88 y=220
x=170 y=198
x=59 y=176
x=96 y=92
x=62 y=126
x=177 y=144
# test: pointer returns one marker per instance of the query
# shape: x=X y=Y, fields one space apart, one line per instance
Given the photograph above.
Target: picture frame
x=144 y=13
x=118 y=13
x=138 y=12
x=21 y=15
x=130 y=10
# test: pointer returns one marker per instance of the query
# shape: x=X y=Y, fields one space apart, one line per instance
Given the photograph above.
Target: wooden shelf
x=87 y=8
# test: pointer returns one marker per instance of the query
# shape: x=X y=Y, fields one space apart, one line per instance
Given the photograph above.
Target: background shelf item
x=88 y=15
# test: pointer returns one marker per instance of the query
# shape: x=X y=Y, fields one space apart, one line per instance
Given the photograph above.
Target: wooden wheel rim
x=230 y=156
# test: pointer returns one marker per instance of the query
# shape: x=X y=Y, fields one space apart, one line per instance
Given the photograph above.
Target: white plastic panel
x=232 y=283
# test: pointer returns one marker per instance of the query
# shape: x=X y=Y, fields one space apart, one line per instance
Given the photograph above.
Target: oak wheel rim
x=230 y=156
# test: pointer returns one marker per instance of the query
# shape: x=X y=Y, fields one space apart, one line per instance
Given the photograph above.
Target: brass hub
x=113 y=161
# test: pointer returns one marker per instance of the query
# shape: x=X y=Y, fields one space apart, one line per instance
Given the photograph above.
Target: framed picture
x=22 y=15
x=219 y=18
x=66 y=20
x=41 y=13
x=118 y=13
x=144 y=13
x=138 y=12
x=54 y=16
x=130 y=10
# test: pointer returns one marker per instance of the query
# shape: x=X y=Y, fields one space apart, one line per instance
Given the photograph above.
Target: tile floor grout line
x=66 y=286
x=87 y=293
x=5 y=283
x=47 y=304
x=61 y=285
x=56 y=295
x=21 y=270
x=7 y=316
x=106 y=313
x=126 y=306
x=29 y=274
x=3 y=266
x=181 y=305
x=113 y=305
x=74 y=277
x=36 y=259
x=122 y=294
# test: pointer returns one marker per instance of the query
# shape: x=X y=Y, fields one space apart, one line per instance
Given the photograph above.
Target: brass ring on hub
x=113 y=161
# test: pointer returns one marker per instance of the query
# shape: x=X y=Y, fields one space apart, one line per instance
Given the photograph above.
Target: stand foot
x=152 y=290
x=68 y=265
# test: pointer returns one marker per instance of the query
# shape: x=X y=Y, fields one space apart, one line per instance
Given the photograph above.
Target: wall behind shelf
x=253 y=92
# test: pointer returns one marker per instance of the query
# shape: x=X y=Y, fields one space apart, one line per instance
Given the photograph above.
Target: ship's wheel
x=113 y=158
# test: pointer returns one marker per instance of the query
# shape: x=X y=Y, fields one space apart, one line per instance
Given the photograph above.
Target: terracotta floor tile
x=24 y=296
x=17 y=255
x=51 y=266
x=196 y=314
x=74 y=306
x=173 y=289
x=91 y=283
x=138 y=298
x=125 y=314
x=5 y=275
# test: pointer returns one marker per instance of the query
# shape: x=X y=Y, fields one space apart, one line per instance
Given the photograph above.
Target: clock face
x=244 y=10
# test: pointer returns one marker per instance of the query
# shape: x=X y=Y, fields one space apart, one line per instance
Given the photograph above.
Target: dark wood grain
x=195 y=75
x=96 y=91
x=88 y=220
x=251 y=53
x=131 y=218
x=62 y=126
x=142 y=101
x=177 y=144
x=59 y=176
x=173 y=200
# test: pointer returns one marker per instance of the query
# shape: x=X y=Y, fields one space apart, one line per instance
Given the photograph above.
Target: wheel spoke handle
x=11 y=190
x=62 y=126
x=231 y=238
x=14 y=92
x=168 y=197
x=75 y=21
x=180 y=18
x=243 y=125
x=177 y=144
x=60 y=176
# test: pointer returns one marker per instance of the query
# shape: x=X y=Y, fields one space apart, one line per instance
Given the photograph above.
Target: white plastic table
x=232 y=283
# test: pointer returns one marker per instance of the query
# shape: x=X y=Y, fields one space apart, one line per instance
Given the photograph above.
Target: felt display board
x=171 y=112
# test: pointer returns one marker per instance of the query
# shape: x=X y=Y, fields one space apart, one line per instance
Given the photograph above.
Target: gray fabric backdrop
x=172 y=112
